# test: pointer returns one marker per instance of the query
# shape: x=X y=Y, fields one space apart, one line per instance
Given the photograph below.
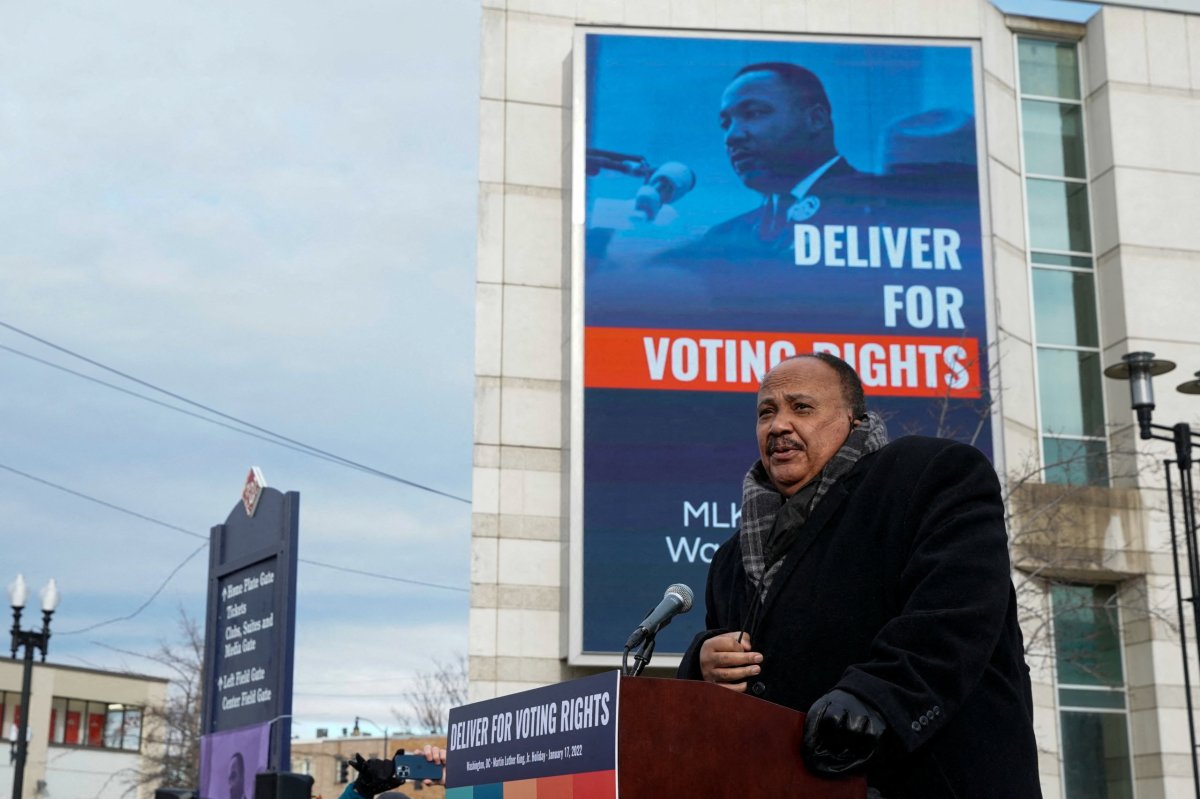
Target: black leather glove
x=841 y=733
x=374 y=776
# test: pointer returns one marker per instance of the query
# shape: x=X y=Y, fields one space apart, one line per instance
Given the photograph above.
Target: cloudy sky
x=267 y=208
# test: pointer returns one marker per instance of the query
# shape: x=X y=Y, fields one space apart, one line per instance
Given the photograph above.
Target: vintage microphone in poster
x=745 y=200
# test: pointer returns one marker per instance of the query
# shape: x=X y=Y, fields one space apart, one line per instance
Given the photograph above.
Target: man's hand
x=433 y=754
x=729 y=662
x=841 y=733
x=374 y=776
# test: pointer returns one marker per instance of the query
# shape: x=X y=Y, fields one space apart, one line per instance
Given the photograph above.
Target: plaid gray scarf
x=764 y=543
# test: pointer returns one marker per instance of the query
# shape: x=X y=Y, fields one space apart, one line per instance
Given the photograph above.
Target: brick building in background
x=325 y=760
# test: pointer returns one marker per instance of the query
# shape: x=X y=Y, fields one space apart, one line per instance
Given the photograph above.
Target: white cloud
x=268 y=208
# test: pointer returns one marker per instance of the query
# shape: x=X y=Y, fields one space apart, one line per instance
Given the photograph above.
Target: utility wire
x=374 y=574
x=355 y=681
x=349 y=696
x=194 y=534
x=306 y=447
x=145 y=604
x=109 y=505
x=169 y=406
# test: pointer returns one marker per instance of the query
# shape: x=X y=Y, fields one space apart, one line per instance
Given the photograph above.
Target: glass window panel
x=76 y=712
x=1078 y=697
x=1048 y=69
x=12 y=715
x=1056 y=259
x=1073 y=462
x=132 y=739
x=1070 y=391
x=1087 y=647
x=1064 y=306
x=58 y=717
x=1053 y=138
x=1096 y=756
x=1058 y=215
x=95 y=723
x=114 y=726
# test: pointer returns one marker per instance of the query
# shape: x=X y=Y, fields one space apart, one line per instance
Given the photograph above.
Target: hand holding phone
x=416 y=767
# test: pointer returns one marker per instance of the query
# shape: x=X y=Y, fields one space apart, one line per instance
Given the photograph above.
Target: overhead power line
x=350 y=696
x=279 y=437
x=145 y=604
x=194 y=534
x=376 y=574
x=202 y=547
x=109 y=505
x=167 y=405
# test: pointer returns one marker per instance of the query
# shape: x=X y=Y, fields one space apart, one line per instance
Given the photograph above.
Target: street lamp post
x=384 y=730
x=31 y=640
x=1139 y=368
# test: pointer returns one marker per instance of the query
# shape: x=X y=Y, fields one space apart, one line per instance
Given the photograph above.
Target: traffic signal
x=343 y=771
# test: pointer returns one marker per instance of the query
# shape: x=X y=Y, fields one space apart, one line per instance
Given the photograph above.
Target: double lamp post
x=32 y=640
x=1139 y=368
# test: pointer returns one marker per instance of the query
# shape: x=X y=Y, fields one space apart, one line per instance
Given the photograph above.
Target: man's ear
x=817 y=116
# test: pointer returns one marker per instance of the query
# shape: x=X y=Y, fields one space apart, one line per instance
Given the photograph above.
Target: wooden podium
x=681 y=738
x=660 y=739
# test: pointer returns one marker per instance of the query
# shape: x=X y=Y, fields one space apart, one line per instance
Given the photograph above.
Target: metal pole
x=1187 y=681
x=1183 y=451
x=1188 y=541
x=23 y=731
x=1183 y=456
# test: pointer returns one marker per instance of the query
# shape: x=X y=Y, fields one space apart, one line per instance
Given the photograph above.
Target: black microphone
x=676 y=600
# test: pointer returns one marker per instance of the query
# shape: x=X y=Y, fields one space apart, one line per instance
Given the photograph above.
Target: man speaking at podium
x=869 y=586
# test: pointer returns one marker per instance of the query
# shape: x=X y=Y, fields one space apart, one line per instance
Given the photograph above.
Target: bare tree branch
x=172 y=729
x=433 y=694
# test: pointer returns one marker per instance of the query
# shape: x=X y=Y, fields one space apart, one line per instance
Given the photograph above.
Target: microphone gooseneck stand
x=677 y=599
x=640 y=658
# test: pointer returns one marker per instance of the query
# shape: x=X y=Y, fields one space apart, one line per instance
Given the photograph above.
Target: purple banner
x=230 y=759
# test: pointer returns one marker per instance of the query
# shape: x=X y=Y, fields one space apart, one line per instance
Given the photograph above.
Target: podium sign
x=607 y=736
x=561 y=739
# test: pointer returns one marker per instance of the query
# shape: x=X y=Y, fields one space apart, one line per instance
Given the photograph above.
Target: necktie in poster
x=747 y=200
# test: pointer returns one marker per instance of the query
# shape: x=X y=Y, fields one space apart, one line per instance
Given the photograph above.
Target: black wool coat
x=898 y=590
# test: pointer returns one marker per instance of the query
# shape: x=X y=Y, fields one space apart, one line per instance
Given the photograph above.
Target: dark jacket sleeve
x=954 y=589
x=689 y=665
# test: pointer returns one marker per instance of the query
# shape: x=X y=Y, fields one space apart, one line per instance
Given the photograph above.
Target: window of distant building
x=123 y=727
x=77 y=722
x=10 y=715
x=1092 y=706
x=1061 y=256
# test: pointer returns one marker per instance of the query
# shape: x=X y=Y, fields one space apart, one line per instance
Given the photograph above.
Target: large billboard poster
x=746 y=200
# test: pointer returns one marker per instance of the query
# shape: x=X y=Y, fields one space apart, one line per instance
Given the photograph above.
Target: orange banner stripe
x=729 y=360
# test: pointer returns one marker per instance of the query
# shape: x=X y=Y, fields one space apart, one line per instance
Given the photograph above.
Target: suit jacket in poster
x=840 y=195
x=898 y=591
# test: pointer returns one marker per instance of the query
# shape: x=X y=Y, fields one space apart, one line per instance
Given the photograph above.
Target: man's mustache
x=782 y=442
